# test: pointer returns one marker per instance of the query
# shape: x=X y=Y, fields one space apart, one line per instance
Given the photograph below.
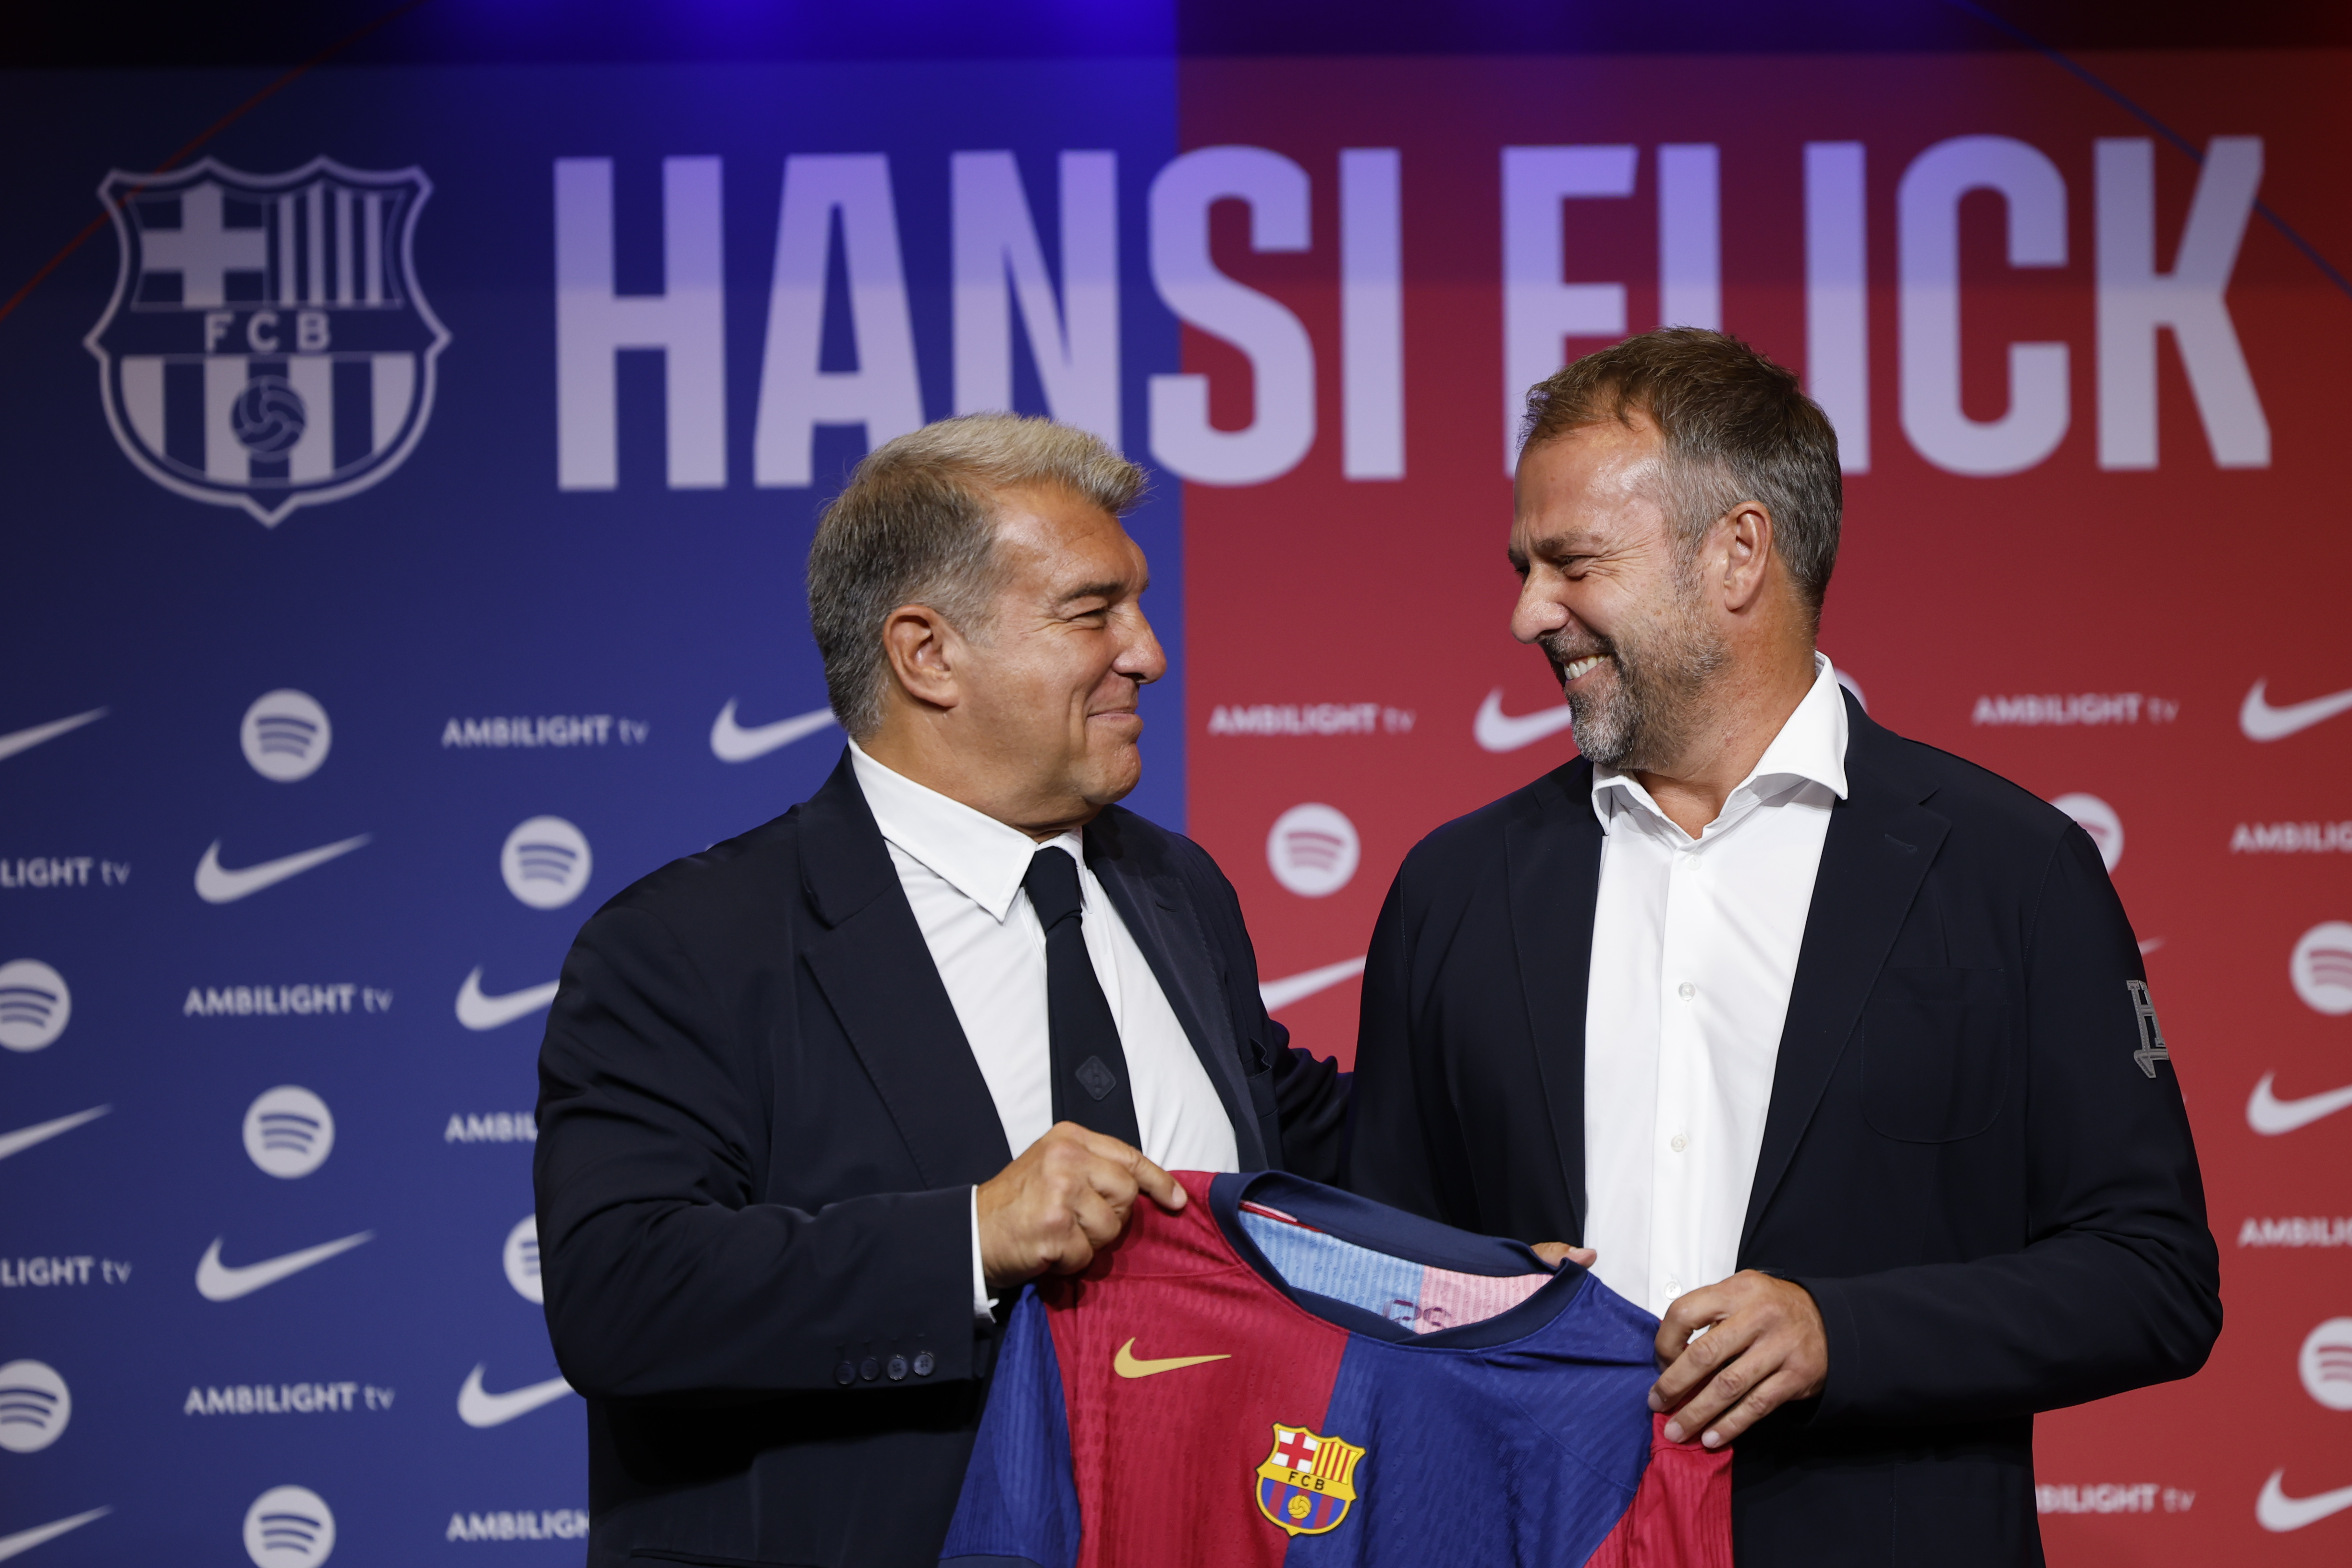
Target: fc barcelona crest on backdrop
x=1308 y=1481
x=266 y=345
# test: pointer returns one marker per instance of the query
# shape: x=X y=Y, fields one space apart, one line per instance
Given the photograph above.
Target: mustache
x=1565 y=647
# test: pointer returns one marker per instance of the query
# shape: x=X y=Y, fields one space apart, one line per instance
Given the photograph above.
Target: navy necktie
x=1090 y=1081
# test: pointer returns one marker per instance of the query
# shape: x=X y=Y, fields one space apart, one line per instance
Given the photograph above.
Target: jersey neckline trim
x=1398 y=1235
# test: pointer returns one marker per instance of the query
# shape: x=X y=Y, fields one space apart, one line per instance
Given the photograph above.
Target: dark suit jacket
x=1995 y=1204
x=759 y=1125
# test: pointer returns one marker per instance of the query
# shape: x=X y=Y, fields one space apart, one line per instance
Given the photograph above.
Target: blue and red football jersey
x=1283 y=1372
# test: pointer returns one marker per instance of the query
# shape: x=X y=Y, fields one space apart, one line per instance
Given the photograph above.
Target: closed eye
x=1567 y=565
x=1095 y=601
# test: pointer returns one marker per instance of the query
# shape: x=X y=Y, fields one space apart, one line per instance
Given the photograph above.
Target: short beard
x=1643 y=720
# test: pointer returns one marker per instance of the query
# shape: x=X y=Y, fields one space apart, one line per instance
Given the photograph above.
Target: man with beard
x=1835 y=1049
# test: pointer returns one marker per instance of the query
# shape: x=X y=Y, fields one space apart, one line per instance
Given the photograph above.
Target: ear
x=925 y=655
x=1744 y=538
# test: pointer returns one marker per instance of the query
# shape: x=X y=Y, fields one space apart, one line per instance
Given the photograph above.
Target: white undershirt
x=1695 y=946
x=963 y=871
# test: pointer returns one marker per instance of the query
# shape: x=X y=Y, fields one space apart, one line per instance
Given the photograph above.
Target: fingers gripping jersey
x=1284 y=1372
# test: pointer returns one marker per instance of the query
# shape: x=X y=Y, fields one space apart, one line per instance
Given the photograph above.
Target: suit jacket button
x=845 y=1375
x=897 y=1368
x=924 y=1364
x=871 y=1370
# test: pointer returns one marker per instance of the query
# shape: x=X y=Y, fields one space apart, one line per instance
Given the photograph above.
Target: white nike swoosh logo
x=2275 y=1511
x=217 y=884
x=476 y=1406
x=2269 y=1115
x=24 y=1138
x=1500 y=731
x=477 y=1011
x=26 y=1540
x=216 y=1281
x=2261 y=722
x=730 y=742
x=25 y=739
x=1280 y=993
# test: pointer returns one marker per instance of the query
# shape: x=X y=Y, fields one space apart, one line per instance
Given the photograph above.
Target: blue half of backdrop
x=421 y=613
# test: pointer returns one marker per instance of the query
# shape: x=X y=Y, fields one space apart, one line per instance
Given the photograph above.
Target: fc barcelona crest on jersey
x=266 y=345
x=1309 y=1482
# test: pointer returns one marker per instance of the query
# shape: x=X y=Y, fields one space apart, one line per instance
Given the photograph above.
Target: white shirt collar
x=1809 y=748
x=978 y=856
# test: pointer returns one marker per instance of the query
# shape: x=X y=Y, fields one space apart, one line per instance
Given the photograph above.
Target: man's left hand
x=1763 y=1346
x=1558 y=1252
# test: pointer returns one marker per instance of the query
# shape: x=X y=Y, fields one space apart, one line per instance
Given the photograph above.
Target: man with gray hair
x=814 y=1102
x=1832 y=1050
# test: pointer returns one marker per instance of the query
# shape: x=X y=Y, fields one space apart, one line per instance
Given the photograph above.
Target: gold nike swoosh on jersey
x=1127 y=1363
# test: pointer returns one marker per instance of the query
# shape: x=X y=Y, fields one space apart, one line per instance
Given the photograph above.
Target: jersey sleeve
x=1020 y=1502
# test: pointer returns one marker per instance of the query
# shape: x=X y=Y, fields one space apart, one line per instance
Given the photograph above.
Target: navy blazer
x=759 y=1125
x=1974 y=1157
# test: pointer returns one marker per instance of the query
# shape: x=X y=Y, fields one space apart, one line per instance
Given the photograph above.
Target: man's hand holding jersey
x=1733 y=1353
x=1736 y=1352
x=1067 y=1195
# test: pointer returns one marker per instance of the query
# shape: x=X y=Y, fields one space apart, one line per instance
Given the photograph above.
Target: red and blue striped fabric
x=1287 y=1373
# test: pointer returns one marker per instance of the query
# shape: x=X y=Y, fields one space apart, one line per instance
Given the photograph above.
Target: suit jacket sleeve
x=663 y=1278
x=1310 y=1093
x=1404 y=1147
x=2120 y=1282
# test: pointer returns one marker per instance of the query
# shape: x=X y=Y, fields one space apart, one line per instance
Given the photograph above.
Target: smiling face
x=1608 y=595
x=1046 y=690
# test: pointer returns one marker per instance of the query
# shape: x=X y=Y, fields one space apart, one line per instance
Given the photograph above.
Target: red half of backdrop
x=2092 y=624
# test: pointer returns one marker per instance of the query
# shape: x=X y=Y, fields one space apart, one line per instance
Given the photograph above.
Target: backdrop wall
x=404 y=516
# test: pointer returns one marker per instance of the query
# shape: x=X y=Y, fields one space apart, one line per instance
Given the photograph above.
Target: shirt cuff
x=983 y=1303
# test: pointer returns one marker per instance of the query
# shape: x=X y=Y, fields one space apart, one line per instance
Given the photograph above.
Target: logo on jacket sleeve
x=2151 y=1039
x=1307 y=1482
x=266 y=345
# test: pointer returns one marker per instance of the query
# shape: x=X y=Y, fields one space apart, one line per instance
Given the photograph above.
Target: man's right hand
x=1067 y=1195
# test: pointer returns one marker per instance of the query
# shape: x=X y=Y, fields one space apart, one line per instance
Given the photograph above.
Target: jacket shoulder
x=1979 y=802
x=1475 y=836
x=1150 y=850
x=715 y=893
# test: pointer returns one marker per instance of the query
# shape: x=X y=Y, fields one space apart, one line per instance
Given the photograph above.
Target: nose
x=1536 y=613
x=1142 y=659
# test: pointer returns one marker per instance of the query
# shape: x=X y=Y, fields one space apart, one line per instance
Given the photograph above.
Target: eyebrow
x=1570 y=541
x=1110 y=589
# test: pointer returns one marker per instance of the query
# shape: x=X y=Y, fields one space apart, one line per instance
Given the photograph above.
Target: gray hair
x=1736 y=427
x=917 y=525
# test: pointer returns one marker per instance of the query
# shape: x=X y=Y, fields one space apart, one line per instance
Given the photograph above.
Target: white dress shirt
x=962 y=872
x=1695 y=945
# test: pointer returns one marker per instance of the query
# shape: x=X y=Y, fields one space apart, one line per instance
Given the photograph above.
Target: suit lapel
x=1159 y=915
x=876 y=973
x=1881 y=842
x=1554 y=871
